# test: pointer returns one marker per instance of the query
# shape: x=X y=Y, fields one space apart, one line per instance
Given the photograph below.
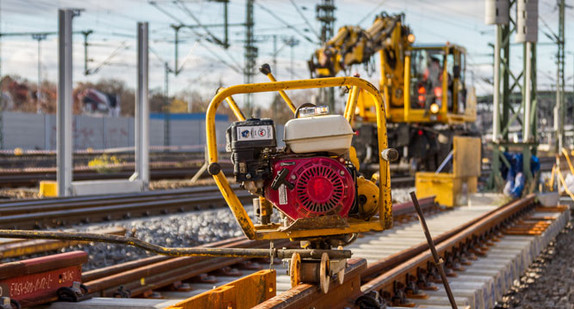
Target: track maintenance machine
x=313 y=183
x=423 y=88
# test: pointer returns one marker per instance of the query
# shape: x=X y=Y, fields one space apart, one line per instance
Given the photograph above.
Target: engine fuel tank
x=329 y=133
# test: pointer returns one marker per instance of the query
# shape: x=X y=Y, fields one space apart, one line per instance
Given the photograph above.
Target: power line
x=155 y=5
x=305 y=19
x=223 y=43
x=286 y=23
x=236 y=67
x=372 y=12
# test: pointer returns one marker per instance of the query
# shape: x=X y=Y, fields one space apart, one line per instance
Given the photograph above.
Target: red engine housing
x=316 y=186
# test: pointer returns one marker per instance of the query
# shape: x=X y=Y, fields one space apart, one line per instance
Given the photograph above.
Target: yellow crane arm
x=354 y=45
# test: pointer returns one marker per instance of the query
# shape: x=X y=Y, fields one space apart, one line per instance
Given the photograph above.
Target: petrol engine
x=311 y=177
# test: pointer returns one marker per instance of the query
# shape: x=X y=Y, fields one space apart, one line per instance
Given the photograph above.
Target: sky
x=112 y=46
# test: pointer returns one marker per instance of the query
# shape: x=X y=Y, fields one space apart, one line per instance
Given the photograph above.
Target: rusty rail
x=63 y=212
x=165 y=271
x=395 y=277
x=142 y=276
x=482 y=229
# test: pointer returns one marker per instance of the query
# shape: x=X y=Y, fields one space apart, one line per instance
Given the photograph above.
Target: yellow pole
x=283 y=94
x=351 y=103
x=235 y=108
x=568 y=160
x=385 y=203
x=407 y=92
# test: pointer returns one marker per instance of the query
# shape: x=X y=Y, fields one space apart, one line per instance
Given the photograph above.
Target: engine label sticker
x=254 y=133
x=282 y=195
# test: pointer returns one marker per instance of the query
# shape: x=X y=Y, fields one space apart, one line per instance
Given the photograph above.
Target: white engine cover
x=329 y=133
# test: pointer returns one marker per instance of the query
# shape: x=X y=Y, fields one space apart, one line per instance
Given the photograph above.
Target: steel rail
x=161 y=271
x=128 y=266
x=487 y=224
x=165 y=271
x=42 y=205
x=29 y=178
x=121 y=211
x=383 y=276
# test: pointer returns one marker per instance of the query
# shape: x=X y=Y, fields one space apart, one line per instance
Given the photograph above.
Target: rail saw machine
x=313 y=182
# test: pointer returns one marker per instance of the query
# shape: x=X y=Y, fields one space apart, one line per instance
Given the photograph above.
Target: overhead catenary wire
x=311 y=28
x=211 y=35
x=106 y=61
x=372 y=12
x=199 y=35
x=164 y=11
x=308 y=39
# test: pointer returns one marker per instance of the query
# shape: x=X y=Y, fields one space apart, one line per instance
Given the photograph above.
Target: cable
x=371 y=12
x=462 y=25
x=549 y=29
x=311 y=28
x=217 y=40
x=285 y=23
x=234 y=68
x=193 y=251
x=123 y=46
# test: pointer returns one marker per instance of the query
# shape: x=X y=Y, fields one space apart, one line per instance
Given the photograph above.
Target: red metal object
x=312 y=187
x=36 y=281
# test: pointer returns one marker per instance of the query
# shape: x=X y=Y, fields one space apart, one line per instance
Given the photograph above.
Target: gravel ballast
x=549 y=281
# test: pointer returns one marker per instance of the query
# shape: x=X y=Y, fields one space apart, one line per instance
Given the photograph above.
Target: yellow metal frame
x=449 y=187
x=272 y=231
x=243 y=293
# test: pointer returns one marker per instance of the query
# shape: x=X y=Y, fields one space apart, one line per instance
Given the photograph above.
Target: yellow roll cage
x=276 y=231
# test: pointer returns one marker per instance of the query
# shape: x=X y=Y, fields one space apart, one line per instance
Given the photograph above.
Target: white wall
x=36 y=131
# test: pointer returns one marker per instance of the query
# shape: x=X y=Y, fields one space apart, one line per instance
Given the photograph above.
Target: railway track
x=397 y=268
x=31 y=177
x=170 y=272
x=62 y=212
x=393 y=266
x=484 y=249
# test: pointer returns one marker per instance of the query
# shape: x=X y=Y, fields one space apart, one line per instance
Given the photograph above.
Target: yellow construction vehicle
x=423 y=88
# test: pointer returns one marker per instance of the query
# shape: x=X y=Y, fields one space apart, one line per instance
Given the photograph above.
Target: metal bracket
x=7 y=303
x=122 y=292
x=75 y=293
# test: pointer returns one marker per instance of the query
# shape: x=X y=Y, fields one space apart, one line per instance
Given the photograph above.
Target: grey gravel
x=549 y=281
x=182 y=230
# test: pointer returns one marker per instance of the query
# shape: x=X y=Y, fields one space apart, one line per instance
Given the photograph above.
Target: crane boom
x=354 y=45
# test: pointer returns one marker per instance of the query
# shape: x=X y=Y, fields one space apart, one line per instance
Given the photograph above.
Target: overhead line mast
x=250 y=54
x=560 y=110
x=326 y=16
